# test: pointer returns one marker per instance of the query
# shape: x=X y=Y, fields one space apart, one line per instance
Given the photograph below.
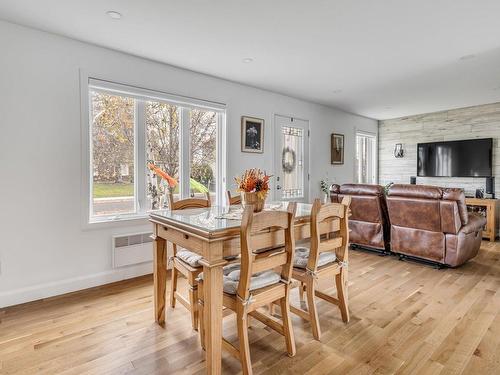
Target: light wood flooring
x=406 y=318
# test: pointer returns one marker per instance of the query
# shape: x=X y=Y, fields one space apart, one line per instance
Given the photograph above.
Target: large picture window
x=145 y=144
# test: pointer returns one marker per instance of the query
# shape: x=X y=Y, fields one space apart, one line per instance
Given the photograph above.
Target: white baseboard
x=55 y=288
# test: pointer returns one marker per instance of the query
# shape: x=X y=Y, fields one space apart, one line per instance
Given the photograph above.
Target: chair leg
x=173 y=286
x=201 y=322
x=271 y=308
x=301 y=291
x=311 y=308
x=342 y=296
x=193 y=297
x=287 y=325
x=241 y=319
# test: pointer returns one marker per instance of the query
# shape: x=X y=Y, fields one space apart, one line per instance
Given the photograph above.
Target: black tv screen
x=468 y=158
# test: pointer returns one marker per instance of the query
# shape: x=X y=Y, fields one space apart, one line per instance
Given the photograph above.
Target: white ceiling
x=390 y=58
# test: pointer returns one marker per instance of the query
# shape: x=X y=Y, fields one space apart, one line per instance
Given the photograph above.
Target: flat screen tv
x=467 y=158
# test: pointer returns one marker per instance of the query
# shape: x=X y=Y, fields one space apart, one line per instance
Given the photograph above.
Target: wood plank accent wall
x=464 y=123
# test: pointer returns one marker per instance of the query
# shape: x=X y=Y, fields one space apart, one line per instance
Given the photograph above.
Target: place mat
x=237 y=213
x=231 y=215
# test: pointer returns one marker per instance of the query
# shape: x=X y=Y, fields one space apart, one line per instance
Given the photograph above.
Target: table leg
x=160 y=279
x=212 y=289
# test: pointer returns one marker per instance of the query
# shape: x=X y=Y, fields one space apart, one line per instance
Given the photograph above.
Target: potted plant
x=325 y=188
x=253 y=186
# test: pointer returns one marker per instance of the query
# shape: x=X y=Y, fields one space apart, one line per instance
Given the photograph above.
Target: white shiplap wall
x=464 y=123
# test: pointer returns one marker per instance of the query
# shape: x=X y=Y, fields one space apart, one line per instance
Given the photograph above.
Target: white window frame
x=375 y=152
x=88 y=82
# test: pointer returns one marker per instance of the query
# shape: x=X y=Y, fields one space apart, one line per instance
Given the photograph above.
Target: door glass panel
x=292 y=162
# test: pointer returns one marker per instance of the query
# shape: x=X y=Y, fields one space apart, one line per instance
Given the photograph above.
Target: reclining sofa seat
x=369 y=220
x=433 y=223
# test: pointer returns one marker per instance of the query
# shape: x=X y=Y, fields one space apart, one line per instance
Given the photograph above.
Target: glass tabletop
x=219 y=218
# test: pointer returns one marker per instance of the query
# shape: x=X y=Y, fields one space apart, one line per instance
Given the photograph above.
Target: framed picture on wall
x=337 y=149
x=252 y=134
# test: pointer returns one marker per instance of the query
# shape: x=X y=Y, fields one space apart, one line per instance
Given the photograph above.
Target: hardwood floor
x=406 y=318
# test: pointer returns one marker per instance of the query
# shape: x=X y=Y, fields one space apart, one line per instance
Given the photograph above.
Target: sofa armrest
x=475 y=224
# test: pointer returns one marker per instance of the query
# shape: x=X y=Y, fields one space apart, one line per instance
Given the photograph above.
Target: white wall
x=43 y=249
x=464 y=123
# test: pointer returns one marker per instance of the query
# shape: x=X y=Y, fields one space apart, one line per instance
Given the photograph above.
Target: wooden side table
x=487 y=208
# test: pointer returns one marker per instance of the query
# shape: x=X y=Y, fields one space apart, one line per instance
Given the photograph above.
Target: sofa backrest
x=367 y=202
x=415 y=206
x=369 y=220
x=429 y=208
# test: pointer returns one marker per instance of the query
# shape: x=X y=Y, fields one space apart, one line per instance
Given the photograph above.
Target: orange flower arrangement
x=172 y=182
x=254 y=181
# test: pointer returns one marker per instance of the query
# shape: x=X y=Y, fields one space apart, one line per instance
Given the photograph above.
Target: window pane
x=292 y=162
x=203 y=139
x=113 y=119
x=365 y=159
x=162 y=137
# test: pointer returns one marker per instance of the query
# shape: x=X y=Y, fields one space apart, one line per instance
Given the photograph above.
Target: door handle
x=278 y=187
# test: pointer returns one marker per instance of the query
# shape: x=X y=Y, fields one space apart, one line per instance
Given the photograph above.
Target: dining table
x=213 y=233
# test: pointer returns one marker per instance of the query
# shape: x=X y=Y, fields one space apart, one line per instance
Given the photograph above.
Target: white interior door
x=291 y=159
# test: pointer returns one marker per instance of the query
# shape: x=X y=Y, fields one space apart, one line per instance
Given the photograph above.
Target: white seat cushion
x=231 y=278
x=189 y=257
x=302 y=257
x=193 y=259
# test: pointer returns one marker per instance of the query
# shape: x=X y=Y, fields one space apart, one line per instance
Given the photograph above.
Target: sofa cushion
x=302 y=257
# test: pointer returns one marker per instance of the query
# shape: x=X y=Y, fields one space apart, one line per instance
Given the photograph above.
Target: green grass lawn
x=113 y=190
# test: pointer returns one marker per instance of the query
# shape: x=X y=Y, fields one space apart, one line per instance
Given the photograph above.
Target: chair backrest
x=233 y=200
x=338 y=244
x=253 y=225
x=182 y=204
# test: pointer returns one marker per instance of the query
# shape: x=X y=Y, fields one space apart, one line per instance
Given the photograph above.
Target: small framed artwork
x=337 y=149
x=252 y=134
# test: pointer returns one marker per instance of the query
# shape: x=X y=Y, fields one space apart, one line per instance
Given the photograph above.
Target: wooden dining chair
x=263 y=277
x=186 y=262
x=233 y=200
x=326 y=258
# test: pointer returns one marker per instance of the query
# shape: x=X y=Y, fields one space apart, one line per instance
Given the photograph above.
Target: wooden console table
x=488 y=208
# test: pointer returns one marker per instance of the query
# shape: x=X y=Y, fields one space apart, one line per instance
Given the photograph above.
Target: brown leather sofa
x=369 y=220
x=433 y=223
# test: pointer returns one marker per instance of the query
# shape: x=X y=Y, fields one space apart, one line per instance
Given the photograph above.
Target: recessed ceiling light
x=247 y=60
x=338 y=91
x=467 y=57
x=114 y=15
